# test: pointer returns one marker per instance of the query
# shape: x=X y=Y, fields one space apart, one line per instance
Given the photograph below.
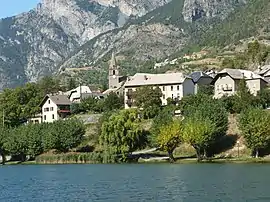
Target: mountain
x=33 y=44
x=78 y=33
x=156 y=35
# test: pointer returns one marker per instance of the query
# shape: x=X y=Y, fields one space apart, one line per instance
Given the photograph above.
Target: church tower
x=113 y=73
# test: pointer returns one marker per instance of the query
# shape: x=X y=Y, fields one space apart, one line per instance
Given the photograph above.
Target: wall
x=49 y=114
x=221 y=82
x=255 y=85
x=169 y=91
x=189 y=87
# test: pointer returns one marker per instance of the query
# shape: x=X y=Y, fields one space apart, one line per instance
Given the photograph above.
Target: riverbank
x=148 y=161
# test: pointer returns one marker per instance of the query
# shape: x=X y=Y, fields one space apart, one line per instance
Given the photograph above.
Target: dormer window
x=113 y=72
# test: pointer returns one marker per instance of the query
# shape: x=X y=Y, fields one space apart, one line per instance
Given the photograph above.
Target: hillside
x=32 y=44
x=81 y=33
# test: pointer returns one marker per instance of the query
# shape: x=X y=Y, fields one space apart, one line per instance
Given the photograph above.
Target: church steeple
x=113 y=73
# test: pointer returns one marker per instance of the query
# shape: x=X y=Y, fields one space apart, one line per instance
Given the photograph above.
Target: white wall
x=49 y=114
x=221 y=82
x=169 y=91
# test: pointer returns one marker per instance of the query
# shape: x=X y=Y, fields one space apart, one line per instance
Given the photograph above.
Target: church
x=116 y=81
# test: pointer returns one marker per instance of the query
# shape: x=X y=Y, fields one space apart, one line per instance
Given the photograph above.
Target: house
x=200 y=79
x=37 y=118
x=55 y=107
x=172 y=85
x=226 y=82
x=76 y=95
x=264 y=71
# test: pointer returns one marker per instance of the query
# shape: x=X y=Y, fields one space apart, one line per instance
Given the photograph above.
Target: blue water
x=194 y=182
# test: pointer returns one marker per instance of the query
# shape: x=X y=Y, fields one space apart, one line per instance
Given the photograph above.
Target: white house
x=55 y=107
x=226 y=82
x=76 y=94
x=172 y=85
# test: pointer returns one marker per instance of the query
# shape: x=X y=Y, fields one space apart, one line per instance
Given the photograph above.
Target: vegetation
x=170 y=137
x=96 y=105
x=121 y=135
x=199 y=132
x=148 y=99
x=254 y=124
x=34 y=139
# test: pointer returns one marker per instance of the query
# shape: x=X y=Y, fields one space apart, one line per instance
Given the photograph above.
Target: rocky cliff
x=73 y=33
x=33 y=44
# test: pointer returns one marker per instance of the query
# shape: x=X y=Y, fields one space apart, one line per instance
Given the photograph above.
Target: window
x=51 y=108
x=171 y=88
x=178 y=88
x=172 y=95
x=46 y=109
x=163 y=96
x=49 y=101
x=44 y=117
x=113 y=72
x=53 y=116
x=163 y=88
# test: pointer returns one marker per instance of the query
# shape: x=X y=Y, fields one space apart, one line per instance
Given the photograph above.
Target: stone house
x=200 y=79
x=55 y=107
x=172 y=85
x=226 y=82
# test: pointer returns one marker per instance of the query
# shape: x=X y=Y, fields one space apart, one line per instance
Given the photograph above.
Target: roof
x=262 y=70
x=240 y=74
x=197 y=75
x=57 y=99
x=143 y=79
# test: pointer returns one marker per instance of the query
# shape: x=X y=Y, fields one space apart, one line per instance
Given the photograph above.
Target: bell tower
x=113 y=73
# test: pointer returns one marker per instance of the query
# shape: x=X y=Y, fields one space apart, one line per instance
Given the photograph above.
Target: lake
x=138 y=182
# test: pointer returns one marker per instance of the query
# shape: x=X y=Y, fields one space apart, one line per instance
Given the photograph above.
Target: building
x=35 y=119
x=226 y=82
x=264 y=71
x=173 y=85
x=200 y=79
x=77 y=94
x=55 y=107
x=116 y=81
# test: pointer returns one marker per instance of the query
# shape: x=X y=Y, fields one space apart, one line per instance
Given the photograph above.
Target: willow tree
x=170 y=137
x=122 y=134
x=254 y=125
x=199 y=133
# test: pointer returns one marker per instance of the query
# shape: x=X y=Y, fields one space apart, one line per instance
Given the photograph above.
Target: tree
x=113 y=102
x=243 y=98
x=165 y=117
x=148 y=98
x=63 y=135
x=71 y=84
x=254 y=125
x=170 y=137
x=263 y=98
x=122 y=134
x=199 y=133
x=3 y=138
x=209 y=108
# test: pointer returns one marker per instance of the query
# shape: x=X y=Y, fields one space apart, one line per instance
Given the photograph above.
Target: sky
x=13 y=7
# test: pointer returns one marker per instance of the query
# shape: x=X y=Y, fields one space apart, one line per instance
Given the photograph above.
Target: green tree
x=113 y=102
x=211 y=109
x=254 y=125
x=63 y=135
x=122 y=134
x=148 y=98
x=170 y=137
x=71 y=84
x=243 y=98
x=263 y=98
x=165 y=117
x=199 y=133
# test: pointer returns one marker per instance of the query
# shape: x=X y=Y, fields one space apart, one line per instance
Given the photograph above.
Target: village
x=174 y=86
